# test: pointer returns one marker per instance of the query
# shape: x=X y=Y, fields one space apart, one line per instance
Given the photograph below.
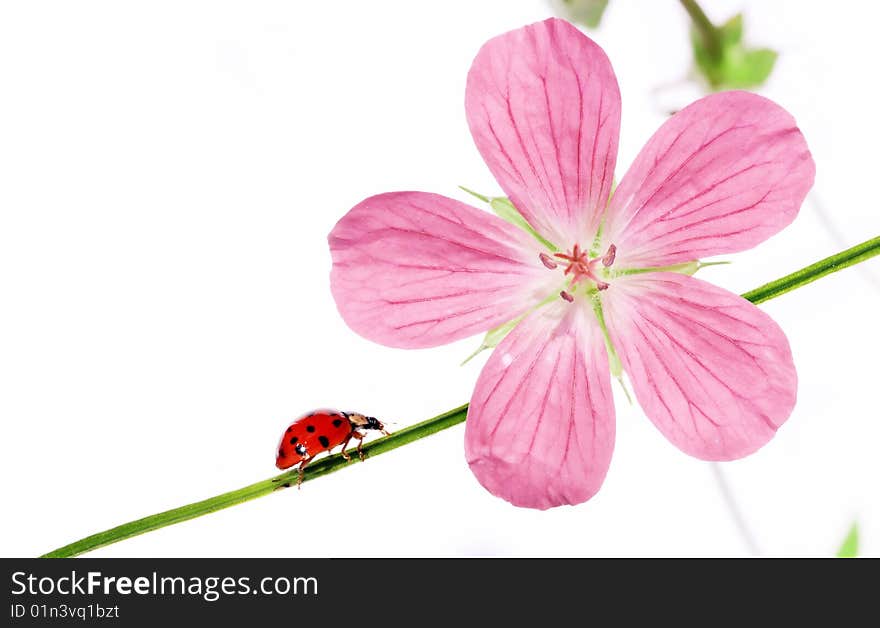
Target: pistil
x=580 y=267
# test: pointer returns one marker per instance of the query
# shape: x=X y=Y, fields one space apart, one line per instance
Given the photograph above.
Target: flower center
x=580 y=267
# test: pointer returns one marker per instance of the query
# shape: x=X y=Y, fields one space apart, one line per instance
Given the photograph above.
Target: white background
x=169 y=172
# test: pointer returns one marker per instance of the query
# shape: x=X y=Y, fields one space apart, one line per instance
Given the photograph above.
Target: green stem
x=853 y=255
x=708 y=31
x=252 y=491
x=849 y=257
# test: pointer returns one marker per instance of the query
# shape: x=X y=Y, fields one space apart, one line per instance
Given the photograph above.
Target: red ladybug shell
x=310 y=434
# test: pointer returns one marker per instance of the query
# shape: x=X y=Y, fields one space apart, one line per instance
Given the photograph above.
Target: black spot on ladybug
x=310 y=428
x=293 y=440
x=281 y=453
x=310 y=414
x=289 y=429
x=325 y=442
x=337 y=422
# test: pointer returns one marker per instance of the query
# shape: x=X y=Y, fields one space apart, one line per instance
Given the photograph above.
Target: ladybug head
x=365 y=422
x=374 y=424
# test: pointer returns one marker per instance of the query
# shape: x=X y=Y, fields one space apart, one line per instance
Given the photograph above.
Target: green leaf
x=754 y=69
x=738 y=66
x=732 y=31
x=850 y=546
x=586 y=12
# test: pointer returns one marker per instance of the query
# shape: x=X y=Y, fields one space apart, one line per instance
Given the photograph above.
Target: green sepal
x=493 y=337
x=505 y=210
x=685 y=268
x=613 y=359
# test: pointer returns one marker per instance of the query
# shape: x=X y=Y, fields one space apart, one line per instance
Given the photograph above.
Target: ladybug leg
x=360 y=439
x=302 y=465
x=344 y=445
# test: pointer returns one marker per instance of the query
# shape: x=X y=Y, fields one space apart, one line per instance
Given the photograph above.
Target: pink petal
x=544 y=110
x=720 y=176
x=540 y=428
x=412 y=270
x=712 y=371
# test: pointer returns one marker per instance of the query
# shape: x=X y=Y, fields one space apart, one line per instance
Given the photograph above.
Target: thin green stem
x=707 y=30
x=252 y=491
x=849 y=257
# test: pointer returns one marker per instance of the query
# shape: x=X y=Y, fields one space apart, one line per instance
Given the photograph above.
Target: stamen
x=580 y=266
x=567 y=296
x=547 y=261
x=608 y=259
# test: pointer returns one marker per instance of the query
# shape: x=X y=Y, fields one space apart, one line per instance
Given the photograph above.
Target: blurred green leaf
x=738 y=66
x=752 y=70
x=586 y=12
x=732 y=31
x=850 y=546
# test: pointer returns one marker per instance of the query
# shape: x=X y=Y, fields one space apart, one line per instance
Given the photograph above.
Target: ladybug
x=322 y=430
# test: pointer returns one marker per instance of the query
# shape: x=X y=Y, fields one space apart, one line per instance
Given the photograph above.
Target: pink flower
x=599 y=284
